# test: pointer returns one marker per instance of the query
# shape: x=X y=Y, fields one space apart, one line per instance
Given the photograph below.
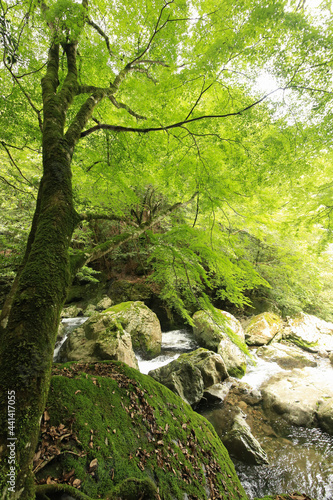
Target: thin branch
x=148 y=61
x=16 y=188
x=15 y=78
x=117 y=241
x=311 y=89
x=13 y=162
x=31 y=72
x=120 y=105
x=197 y=210
x=203 y=90
x=104 y=35
x=91 y=166
x=157 y=29
x=20 y=148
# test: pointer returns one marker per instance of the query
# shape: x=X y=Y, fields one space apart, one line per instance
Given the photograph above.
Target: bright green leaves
x=188 y=269
x=65 y=19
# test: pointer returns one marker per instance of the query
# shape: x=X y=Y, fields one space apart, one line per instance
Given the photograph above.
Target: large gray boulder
x=71 y=312
x=191 y=373
x=142 y=324
x=241 y=443
x=310 y=333
x=262 y=328
x=224 y=336
x=297 y=394
x=286 y=356
x=100 y=338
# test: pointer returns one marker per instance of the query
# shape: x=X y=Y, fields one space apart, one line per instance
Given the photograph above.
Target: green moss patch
x=106 y=423
x=304 y=344
x=123 y=306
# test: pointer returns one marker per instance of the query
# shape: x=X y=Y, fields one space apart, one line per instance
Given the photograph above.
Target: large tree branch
x=88 y=216
x=70 y=85
x=91 y=89
x=120 y=128
x=74 y=133
x=50 y=80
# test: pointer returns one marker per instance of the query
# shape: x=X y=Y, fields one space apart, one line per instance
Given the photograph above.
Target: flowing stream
x=68 y=325
x=301 y=459
x=174 y=343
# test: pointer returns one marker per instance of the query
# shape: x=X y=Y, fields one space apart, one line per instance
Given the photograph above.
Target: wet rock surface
x=286 y=356
x=309 y=332
x=241 y=443
x=219 y=335
x=191 y=373
x=295 y=395
x=262 y=328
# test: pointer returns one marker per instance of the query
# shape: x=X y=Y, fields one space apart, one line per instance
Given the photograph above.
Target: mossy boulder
x=72 y=312
x=142 y=324
x=114 y=430
x=224 y=335
x=188 y=375
x=89 y=310
x=114 y=334
x=262 y=328
x=100 y=338
x=104 y=303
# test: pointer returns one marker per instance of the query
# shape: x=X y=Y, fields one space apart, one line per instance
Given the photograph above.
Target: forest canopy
x=232 y=181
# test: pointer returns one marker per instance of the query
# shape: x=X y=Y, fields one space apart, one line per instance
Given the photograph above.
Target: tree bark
x=27 y=340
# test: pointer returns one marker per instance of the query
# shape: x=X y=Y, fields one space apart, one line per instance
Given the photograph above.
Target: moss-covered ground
x=106 y=423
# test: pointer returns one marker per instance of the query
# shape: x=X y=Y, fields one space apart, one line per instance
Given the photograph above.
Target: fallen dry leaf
x=93 y=465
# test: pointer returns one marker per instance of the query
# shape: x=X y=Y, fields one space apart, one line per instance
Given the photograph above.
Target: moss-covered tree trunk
x=27 y=339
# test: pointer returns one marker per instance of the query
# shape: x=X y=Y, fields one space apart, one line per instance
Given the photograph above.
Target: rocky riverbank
x=297 y=393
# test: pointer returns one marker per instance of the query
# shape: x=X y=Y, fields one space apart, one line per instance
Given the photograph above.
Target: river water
x=300 y=459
